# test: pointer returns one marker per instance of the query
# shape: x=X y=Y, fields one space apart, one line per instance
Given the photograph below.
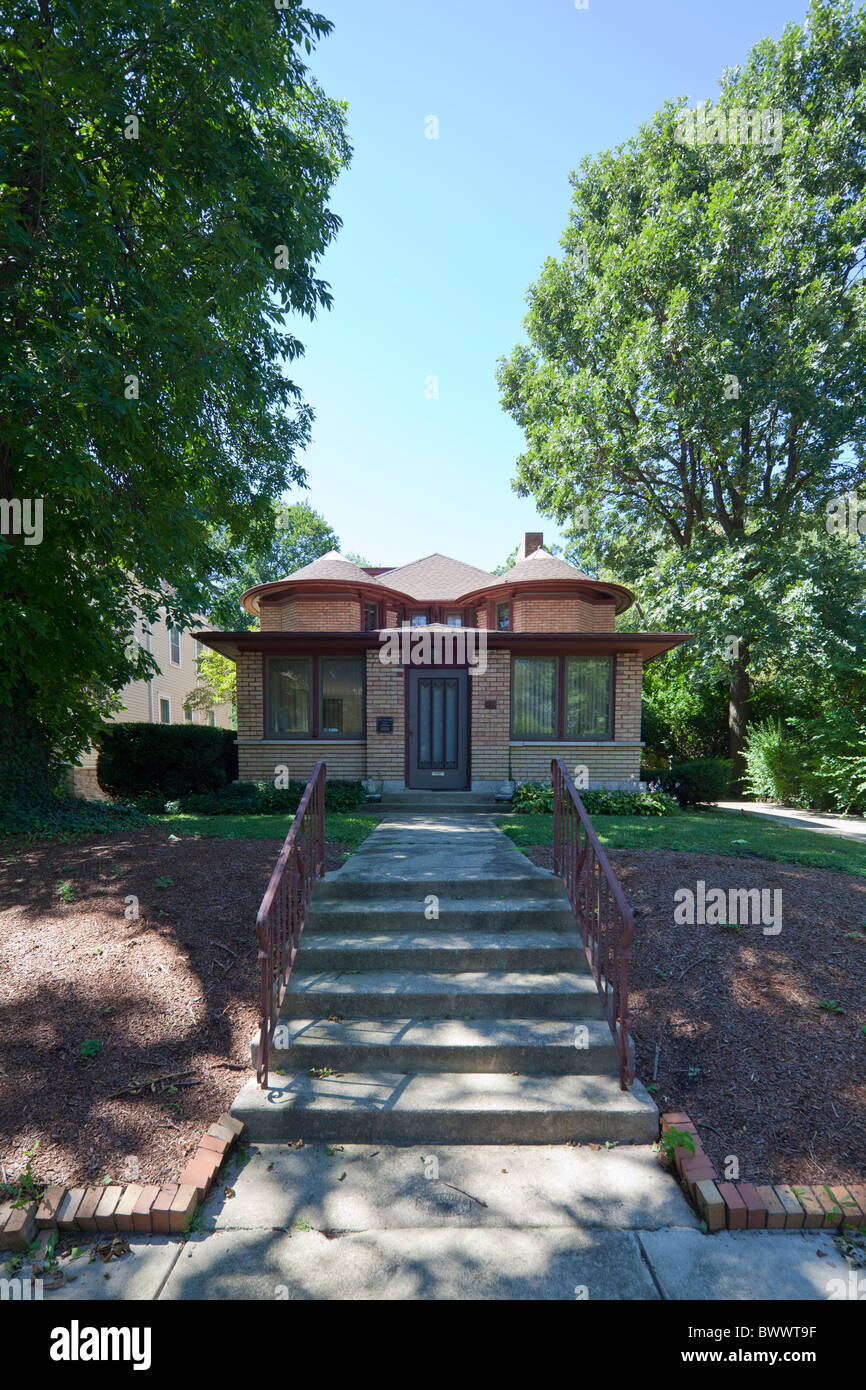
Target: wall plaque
x=384 y=725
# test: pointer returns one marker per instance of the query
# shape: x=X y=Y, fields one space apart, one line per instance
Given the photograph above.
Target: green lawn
x=347 y=828
x=709 y=832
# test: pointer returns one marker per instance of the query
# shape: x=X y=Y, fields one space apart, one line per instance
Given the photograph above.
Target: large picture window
x=289 y=696
x=563 y=699
x=587 y=697
x=341 y=697
x=314 y=698
x=533 y=697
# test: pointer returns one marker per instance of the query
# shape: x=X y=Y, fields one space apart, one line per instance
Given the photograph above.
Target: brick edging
x=150 y=1209
x=741 y=1206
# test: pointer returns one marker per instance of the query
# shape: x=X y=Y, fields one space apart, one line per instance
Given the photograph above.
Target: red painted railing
x=280 y=920
x=604 y=917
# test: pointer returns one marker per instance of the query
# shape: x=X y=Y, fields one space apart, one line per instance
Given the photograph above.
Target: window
x=587 y=697
x=454 y=619
x=503 y=617
x=566 y=699
x=211 y=718
x=341 y=682
x=371 y=617
x=187 y=714
x=418 y=619
x=533 y=697
x=164 y=710
x=199 y=649
x=174 y=645
x=289 y=697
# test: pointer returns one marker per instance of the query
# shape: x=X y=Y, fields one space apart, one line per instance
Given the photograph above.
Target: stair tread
x=451 y=1092
x=433 y=939
x=469 y=982
x=441 y=1032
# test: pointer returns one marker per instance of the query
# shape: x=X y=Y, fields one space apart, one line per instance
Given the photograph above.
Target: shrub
x=536 y=798
x=169 y=759
x=819 y=762
x=252 y=799
x=697 y=783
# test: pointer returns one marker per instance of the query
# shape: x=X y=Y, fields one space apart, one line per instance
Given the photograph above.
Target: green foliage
x=90 y=1047
x=169 y=759
x=673 y=1139
x=63 y=817
x=289 y=538
x=682 y=267
x=818 y=762
x=258 y=799
x=697 y=783
x=534 y=798
x=146 y=320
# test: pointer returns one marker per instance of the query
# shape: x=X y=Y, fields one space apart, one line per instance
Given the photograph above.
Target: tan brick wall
x=313 y=615
x=386 y=695
x=629 y=670
x=612 y=762
x=250 y=695
x=258 y=761
x=489 y=737
x=562 y=615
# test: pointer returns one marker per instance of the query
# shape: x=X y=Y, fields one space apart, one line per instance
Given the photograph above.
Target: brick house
x=437 y=675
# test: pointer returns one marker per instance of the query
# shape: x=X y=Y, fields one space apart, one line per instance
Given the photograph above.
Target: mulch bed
x=746 y=1050
x=172 y=998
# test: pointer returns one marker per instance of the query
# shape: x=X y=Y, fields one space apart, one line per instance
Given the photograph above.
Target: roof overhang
x=647 y=644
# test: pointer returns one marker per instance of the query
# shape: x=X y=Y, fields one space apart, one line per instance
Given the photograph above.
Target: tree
x=165 y=170
x=290 y=538
x=695 y=359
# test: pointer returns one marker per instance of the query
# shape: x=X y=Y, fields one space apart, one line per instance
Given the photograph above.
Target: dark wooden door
x=438 y=720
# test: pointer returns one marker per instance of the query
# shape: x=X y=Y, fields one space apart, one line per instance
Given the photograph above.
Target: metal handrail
x=605 y=920
x=280 y=919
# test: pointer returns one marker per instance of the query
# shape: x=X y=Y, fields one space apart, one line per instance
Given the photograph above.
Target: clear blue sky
x=442 y=237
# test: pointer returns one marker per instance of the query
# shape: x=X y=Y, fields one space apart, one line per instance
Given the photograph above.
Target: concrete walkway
x=511 y=1222
x=849 y=827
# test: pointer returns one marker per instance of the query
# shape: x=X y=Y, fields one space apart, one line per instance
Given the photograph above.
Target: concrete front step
x=536 y=1046
x=398 y=881
x=499 y=913
x=563 y=994
x=446 y=1107
x=439 y=950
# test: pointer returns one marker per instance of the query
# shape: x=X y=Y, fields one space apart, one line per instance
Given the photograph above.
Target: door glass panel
x=424 y=723
x=451 y=723
x=437 y=722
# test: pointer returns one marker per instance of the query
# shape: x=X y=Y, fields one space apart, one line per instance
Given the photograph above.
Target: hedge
x=167 y=760
x=697 y=783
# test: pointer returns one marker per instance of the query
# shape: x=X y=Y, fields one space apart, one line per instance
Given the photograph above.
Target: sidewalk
x=510 y=1222
x=850 y=827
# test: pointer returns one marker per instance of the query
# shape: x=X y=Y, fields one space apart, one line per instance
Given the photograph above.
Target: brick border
x=741 y=1206
x=145 y=1210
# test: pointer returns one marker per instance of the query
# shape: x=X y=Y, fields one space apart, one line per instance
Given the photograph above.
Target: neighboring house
x=159 y=700
x=529 y=667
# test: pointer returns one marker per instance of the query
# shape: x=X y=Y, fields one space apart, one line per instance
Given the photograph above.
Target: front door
x=438 y=719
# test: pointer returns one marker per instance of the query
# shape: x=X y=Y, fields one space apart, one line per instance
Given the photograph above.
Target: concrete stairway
x=443 y=803
x=479 y=1025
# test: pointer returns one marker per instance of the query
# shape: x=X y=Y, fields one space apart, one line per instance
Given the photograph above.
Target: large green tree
x=165 y=171
x=696 y=356
x=289 y=538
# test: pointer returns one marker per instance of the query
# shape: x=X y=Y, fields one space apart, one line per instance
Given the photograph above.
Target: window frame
x=377 y=613
x=314 y=735
x=174 y=632
x=506 y=604
x=560 y=696
x=160 y=701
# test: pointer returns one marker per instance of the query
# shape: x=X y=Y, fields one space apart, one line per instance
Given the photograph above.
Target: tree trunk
x=738 y=703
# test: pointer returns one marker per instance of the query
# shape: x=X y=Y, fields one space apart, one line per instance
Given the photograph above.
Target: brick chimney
x=532 y=541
